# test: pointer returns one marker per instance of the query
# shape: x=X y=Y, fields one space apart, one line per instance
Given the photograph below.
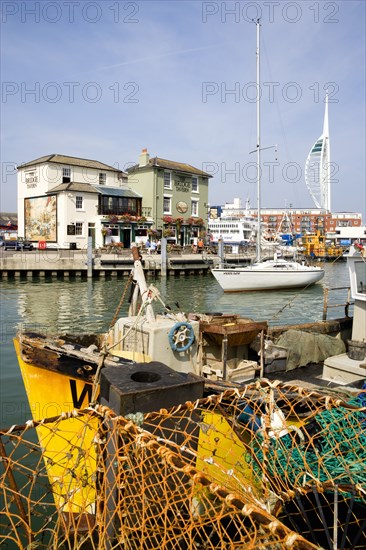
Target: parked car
x=18 y=245
x=26 y=245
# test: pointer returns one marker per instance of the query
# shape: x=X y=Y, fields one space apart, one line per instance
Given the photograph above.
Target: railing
x=146 y=211
x=346 y=305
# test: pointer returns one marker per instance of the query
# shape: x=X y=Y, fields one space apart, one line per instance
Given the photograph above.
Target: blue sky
x=102 y=80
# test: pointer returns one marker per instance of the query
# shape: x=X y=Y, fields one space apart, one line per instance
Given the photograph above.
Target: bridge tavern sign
x=183 y=183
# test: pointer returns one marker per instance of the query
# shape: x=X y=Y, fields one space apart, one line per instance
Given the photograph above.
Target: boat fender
x=181 y=336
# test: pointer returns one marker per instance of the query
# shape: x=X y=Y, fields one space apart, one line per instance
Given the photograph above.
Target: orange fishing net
x=267 y=466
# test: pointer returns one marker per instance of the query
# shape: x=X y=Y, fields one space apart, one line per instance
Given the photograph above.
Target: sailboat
x=277 y=273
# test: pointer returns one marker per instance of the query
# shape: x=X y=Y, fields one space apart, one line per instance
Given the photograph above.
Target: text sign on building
x=31 y=179
x=182 y=184
x=71 y=229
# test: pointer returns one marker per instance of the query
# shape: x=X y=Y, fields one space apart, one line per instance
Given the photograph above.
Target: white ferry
x=233 y=231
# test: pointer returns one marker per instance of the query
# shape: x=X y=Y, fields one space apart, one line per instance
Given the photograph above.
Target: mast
x=258 y=251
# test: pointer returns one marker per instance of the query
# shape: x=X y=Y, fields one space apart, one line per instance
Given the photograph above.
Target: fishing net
x=269 y=466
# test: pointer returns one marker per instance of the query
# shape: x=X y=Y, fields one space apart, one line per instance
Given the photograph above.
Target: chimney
x=144 y=158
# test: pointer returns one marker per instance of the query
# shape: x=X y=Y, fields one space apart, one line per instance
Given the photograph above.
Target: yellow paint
x=222 y=455
x=69 y=452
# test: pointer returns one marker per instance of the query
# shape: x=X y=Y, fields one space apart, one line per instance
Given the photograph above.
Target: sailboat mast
x=258 y=147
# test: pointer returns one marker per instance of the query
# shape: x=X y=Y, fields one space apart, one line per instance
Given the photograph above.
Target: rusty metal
x=346 y=305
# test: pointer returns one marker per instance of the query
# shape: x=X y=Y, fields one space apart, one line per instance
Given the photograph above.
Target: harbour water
x=89 y=306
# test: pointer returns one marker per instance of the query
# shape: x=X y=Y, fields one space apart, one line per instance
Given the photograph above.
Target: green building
x=175 y=197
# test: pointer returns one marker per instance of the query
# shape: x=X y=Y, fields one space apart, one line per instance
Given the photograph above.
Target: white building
x=62 y=200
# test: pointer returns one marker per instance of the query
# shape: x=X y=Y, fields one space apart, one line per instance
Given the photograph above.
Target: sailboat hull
x=273 y=276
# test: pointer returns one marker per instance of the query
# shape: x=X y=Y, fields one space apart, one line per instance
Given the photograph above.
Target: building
x=63 y=200
x=294 y=220
x=318 y=168
x=8 y=222
x=175 y=196
x=306 y=220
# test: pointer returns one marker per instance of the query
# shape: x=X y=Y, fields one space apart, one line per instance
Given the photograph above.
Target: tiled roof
x=70 y=161
x=95 y=189
x=81 y=187
x=170 y=165
x=6 y=217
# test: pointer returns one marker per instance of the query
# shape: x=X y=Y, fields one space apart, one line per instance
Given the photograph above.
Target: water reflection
x=89 y=306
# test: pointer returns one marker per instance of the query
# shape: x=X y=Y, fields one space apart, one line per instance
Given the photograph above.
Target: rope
x=104 y=351
x=289 y=303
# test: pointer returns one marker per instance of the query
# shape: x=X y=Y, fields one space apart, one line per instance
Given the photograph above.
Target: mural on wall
x=40 y=218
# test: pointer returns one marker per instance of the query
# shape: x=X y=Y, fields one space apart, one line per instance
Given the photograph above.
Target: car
x=12 y=245
x=18 y=245
x=25 y=244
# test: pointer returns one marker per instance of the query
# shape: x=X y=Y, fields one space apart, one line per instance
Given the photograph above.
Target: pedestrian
x=153 y=247
x=200 y=246
x=148 y=246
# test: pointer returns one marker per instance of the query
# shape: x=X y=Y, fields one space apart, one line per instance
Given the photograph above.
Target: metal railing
x=346 y=305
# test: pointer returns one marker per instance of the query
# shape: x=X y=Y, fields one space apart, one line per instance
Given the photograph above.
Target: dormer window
x=195 y=184
x=102 y=178
x=66 y=174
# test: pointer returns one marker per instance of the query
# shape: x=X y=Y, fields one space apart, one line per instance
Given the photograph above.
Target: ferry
x=234 y=231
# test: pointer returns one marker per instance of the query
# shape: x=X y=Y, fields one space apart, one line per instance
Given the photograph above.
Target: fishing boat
x=261 y=463
x=273 y=274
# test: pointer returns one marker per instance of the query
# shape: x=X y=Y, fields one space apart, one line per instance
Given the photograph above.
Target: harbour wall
x=70 y=263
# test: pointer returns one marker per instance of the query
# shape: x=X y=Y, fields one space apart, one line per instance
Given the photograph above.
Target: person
x=200 y=246
x=194 y=245
x=153 y=247
x=148 y=246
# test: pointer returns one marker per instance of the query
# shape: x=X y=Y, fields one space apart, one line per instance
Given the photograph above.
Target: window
x=79 y=202
x=194 y=206
x=195 y=184
x=167 y=205
x=102 y=178
x=118 y=205
x=167 y=181
x=78 y=228
x=113 y=229
x=66 y=174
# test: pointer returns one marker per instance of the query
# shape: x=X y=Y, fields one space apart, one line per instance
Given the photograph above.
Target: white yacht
x=270 y=274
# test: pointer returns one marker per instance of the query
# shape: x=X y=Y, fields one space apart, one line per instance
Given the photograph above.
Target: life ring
x=181 y=336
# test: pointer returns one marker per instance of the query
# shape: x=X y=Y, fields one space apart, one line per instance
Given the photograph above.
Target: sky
x=104 y=79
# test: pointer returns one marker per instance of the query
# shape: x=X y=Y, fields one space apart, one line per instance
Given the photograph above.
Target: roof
x=170 y=165
x=70 y=161
x=81 y=187
x=6 y=217
x=116 y=191
x=96 y=189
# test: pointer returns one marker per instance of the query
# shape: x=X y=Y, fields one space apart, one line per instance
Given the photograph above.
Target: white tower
x=317 y=167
